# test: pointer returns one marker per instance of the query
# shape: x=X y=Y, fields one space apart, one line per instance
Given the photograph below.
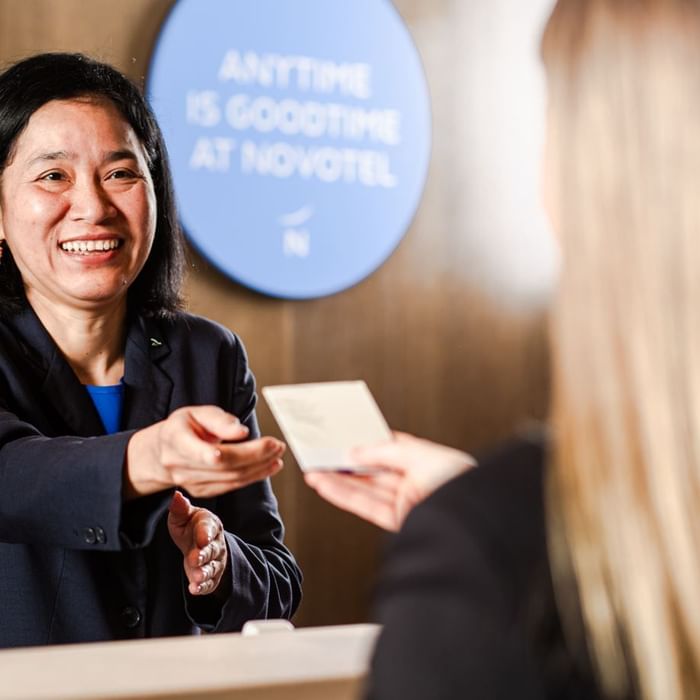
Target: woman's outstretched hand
x=408 y=470
x=202 y=449
x=199 y=535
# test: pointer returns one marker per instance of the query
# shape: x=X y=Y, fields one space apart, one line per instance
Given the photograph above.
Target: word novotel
x=288 y=117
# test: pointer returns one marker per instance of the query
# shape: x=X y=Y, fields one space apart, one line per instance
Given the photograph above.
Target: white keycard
x=321 y=422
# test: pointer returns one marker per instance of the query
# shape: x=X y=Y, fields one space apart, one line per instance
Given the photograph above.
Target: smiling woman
x=117 y=409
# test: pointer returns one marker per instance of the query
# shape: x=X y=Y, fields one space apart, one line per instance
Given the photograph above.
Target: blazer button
x=89 y=536
x=100 y=535
x=131 y=616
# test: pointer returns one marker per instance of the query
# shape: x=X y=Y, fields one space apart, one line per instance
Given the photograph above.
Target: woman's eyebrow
x=111 y=157
x=51 y=155
x=124 y=154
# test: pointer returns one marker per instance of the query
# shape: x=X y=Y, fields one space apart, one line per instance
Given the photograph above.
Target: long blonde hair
x=624 y=109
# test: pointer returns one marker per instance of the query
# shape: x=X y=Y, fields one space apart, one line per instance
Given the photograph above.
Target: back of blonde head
x=624 y=85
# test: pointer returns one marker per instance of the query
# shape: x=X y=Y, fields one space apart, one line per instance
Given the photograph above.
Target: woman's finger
x=190 y=453
x=359 y=495
x=179 y=510
x=206 y=529
x=193 y=433
x=231 y=481
x=383 y=484
x=204 y=588
x=427 y=464
x=346 y=487
x=387 y=455
x=210 y=552
x=250 y=453
x=204 y=578
x=194 y=480
x=246 y=476
x=206 y=569
x=214 y=424
x=197 y=454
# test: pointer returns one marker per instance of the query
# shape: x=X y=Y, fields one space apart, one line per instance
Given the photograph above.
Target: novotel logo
x=299 y=156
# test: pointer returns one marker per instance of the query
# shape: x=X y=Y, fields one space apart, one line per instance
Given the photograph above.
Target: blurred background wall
x=450 y=332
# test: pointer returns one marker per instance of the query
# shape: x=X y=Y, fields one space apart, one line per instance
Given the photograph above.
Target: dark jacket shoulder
x=466 y=599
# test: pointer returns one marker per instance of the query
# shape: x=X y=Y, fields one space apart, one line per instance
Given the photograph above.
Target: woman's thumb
x=180 y=509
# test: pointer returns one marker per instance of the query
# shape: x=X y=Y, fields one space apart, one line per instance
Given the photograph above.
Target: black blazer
x=76 y=564
x=467 y=600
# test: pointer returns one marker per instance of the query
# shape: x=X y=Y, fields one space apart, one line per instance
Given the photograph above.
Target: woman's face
x=77 y=206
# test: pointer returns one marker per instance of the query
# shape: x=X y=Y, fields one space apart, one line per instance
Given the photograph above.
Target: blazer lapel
x=60 y=387
x=147 y=387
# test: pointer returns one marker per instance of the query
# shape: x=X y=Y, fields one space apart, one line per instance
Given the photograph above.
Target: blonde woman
x=572 y=570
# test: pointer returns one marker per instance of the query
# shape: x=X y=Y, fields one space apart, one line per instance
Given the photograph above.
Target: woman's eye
x=53 y=176
x=122 y=174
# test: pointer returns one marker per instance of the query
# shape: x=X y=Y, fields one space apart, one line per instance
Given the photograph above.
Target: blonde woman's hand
x=409 y=470
x=202 y=449
x=199 y=535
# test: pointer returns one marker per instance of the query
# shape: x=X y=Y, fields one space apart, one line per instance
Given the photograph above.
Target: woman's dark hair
x=28 y=85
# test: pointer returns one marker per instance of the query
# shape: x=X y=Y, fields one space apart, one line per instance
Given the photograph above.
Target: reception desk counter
x=322 y=663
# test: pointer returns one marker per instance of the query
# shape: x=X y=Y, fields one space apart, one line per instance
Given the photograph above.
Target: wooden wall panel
x=449 y=333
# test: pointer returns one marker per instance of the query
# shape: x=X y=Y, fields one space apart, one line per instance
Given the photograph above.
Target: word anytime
x=303 y=73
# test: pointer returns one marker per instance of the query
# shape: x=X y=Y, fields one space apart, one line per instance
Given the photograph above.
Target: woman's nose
x=91 y=202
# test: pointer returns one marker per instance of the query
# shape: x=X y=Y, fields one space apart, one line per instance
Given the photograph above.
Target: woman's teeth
x=90 y=246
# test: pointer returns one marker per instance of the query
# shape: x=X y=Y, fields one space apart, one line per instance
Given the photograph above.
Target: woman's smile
x=87 y=246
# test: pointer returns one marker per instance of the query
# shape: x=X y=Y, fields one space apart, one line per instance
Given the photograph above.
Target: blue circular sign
x=298 y=133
